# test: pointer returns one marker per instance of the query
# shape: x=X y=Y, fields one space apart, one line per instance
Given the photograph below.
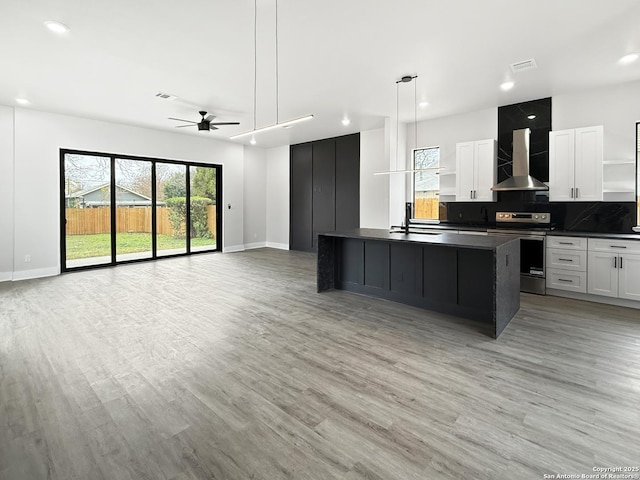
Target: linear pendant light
x=278 y=123
x=273 y=127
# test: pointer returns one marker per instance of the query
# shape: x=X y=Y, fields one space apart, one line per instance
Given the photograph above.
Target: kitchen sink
x=415 y=232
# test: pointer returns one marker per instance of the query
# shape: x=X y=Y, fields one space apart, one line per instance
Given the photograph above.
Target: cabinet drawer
x=614 y=246
x=567 y=280
x=567 y=259
x=567 y=243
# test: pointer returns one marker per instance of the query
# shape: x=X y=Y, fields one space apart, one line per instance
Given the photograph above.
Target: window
x=426 y=183
x=119 y=209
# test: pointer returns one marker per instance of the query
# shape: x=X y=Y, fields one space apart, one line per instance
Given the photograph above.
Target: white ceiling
x=336 y=58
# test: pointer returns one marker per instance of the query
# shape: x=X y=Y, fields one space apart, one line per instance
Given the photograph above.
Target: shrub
x=178 y=214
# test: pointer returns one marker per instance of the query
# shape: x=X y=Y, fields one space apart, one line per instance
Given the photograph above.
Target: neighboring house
x=100 y=197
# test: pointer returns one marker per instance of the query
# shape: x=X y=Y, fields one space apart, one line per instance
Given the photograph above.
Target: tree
x=175 y=186
x=204 y=183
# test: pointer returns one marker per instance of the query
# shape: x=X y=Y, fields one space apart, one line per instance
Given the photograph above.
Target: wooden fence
x=426 y=208
x=88 y=221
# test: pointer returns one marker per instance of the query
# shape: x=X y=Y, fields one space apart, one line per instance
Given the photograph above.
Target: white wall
x=617 y=108
x=6 y=193
x=374 y=189
x=38 y=138
x=445 y=132
x=255 y=197
x=277 y=190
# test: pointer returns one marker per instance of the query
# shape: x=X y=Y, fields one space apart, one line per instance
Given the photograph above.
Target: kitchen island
x=469 y=276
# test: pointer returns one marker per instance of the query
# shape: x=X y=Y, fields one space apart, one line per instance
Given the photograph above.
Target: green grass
x=99 y=245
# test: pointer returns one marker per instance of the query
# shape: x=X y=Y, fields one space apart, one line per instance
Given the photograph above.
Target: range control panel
x=523 y=217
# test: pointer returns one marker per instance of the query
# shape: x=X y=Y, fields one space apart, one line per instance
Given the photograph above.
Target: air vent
x=166 y=96
x=524 y=65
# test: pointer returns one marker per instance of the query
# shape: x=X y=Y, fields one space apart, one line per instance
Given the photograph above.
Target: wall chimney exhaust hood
x=521 y=180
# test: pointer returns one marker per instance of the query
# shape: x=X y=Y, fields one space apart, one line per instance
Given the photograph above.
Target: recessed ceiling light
x=531 y=117
x=507 y=86
x=630 y=58
x=23 y=101
x=56 y=27
x=346 y=121
x=252 y=141
x=423 y=104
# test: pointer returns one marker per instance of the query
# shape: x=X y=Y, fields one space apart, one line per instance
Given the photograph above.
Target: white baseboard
x=620 y=302
x=233 y=248
x=251 y=246
x=280 y=246
x=36 y=273
x=6 y=276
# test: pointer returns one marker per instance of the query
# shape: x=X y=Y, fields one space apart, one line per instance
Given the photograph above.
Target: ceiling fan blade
x=181 y=120
x=210 y=117
x=182 y=126
x=226 y=123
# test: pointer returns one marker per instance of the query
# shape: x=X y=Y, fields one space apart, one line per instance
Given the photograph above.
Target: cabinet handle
x=615 y=262
x=565 y=259
x=571 y=192
x=565 y=280
x=617 y=246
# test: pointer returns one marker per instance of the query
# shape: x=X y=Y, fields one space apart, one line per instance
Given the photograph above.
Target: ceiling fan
x=204 y=123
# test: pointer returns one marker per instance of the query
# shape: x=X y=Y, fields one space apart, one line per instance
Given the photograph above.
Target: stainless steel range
x=531 y=228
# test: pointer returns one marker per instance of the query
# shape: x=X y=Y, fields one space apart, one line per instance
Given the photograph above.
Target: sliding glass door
x=202 y=208
x=133 y=209
x=119 y=209
x=87 y=207
x=171 y=208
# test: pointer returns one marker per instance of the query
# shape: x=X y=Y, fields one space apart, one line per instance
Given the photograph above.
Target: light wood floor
x=230 y=366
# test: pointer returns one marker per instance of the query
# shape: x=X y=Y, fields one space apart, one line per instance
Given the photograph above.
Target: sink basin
x=414 y=232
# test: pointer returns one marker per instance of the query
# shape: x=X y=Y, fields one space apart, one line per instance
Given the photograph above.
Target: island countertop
x=459 y=240
x=469 y=276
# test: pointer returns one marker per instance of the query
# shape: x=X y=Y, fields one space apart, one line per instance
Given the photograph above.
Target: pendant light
x=407 y=79
x=278 y=123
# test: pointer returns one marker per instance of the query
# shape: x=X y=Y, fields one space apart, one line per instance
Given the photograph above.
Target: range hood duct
x=521 y=180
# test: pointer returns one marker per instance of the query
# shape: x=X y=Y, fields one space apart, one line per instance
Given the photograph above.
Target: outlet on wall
x=27 y=258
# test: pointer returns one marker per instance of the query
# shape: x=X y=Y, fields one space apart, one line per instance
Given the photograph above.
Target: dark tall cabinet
x=325 y=189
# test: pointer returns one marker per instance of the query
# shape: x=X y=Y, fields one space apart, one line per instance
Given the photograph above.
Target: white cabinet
x=566 y=262
x=575 y=164
x=475 y=171
x=614 y=268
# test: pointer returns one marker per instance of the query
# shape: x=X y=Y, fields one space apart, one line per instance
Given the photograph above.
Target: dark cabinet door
x=348 y=182
x=440 y=274
x=406 y=269
x=376 y=264
x=300 y=211
x=324 y=194
x=476 y=279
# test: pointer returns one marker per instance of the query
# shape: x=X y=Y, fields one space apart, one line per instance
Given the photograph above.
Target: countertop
x=564 y=233
x=482 y=242
x=617 y=236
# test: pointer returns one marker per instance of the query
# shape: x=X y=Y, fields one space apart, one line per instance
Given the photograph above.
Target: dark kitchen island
x=470 y=276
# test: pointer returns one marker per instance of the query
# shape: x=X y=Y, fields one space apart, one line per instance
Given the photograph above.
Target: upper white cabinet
x=475 y=171
x=575 y=164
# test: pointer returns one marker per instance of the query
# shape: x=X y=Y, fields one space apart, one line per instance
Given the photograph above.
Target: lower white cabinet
x=614 y=268
x=567 y=263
